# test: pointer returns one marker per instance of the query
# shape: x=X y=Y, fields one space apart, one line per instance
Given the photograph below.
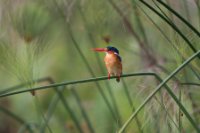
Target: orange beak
x=100 y=49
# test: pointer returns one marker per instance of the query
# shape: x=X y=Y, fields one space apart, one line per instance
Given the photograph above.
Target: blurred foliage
x=50 y=38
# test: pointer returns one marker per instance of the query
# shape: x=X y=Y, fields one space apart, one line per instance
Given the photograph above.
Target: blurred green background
x=50 y=41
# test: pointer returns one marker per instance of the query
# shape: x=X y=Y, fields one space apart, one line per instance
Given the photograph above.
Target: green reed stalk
x=163 y=83
x=17 y=118
x=87 y=65
x=76 y=96
x=131 y=104
x=94 y=44
x=67 y=107
x=180 y=17
x=75 y=82
x=172 y=25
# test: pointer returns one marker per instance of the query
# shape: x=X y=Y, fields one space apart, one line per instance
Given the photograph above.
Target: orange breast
x=113 y=64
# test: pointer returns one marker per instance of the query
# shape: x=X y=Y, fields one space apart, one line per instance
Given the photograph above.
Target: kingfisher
x=112 y=61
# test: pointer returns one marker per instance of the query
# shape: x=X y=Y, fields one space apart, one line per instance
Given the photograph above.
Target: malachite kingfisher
x=112 y=60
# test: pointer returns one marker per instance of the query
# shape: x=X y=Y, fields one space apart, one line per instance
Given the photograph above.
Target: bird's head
x=107 y=49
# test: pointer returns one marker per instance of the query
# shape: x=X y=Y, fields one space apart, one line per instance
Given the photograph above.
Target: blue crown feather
x=110 y=48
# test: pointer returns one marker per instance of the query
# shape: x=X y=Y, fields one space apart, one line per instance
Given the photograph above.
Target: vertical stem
x=180 y=112
x=73 y=90
x=92 y=73
x=170 y=13
x=41 y=113
x=172 y=25
x=17 y=118
x=163 y=83
x=86 y=63
x=139 y=22
x=99 y=87
x=132 y=106
x=144 y=49
x=113 y=99
x=67 y=107
x=50 y=111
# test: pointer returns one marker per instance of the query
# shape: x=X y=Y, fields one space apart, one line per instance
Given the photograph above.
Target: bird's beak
x=100 y=49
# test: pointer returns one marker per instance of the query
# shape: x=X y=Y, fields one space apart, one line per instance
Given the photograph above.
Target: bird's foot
x=108 y=76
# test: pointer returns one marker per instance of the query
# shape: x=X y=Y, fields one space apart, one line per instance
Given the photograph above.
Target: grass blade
x=163 y=83
x=131 y=105
x=195 y=84
x=22 y=85
x=180 y=17
x=15 y=117
x=82 y=56
x=67 y=107
x=93 y=43
x=50 y=111
x=73 y=90
x=75 y=82
x=172 y=25
x=40 y=112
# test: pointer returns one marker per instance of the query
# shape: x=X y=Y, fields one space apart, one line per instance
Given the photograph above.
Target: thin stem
x=180 y=17
x=168 y=114
x=92 y=73
x=67 y=107
x=50 y=111
x=17 y=118
x=170 y=14
x=12 y=115
x=51 y=107
x=131 y=105
x=22 y=85
x=59 y=91
x=87 y=64
x=145 y=51
x=189 y=83
x=172 y=25
x=180 y=112
x=163 y=83
x=167 y=38
x=93 y=43
x=139 y=22
x=40 y=112
x=73 y=90
x=74 y=82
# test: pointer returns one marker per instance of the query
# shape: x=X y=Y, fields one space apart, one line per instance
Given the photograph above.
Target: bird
x=112 y=60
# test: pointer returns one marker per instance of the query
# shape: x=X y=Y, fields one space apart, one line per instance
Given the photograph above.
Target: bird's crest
x=110 y=48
